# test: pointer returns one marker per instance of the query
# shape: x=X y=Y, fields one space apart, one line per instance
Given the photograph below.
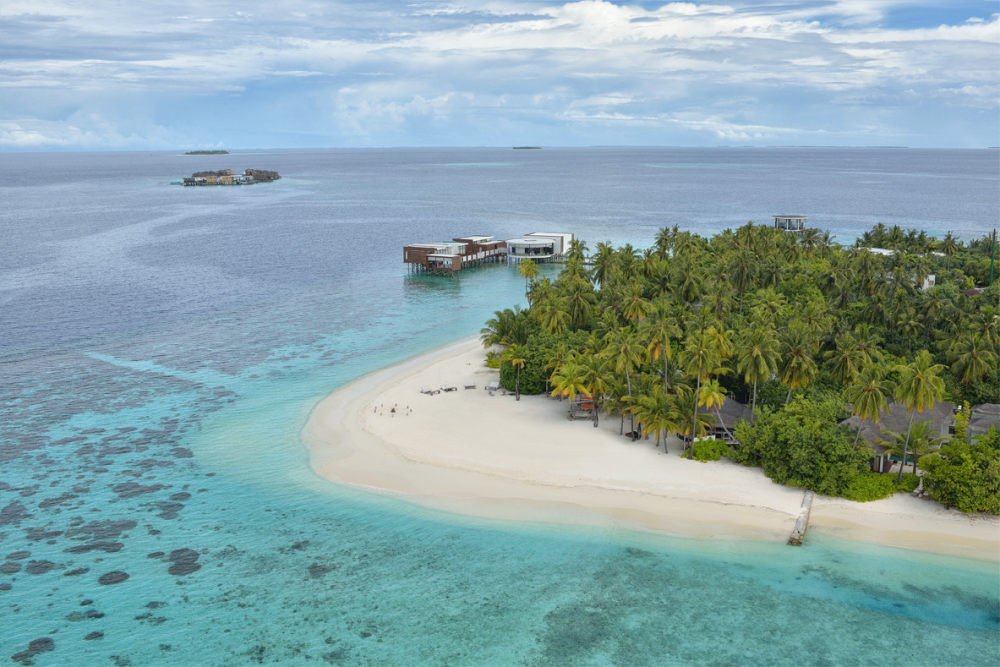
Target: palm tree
x=529 y=270
x=921 y=442
x=798 y=368
x=577 y=250
x=658 y=414
x=603 y=260
x=769 y=303
x=516 y=355
x=971 y=357
x=869 y=396
x=661 y=330
x=635 y=306
x=580 y=299
x=919 y=388
x=569 y=379
x=552 y=314
x=664 y=240
x=595 y=377
x=846 y=359
x=741 y=273
x=712 y=397
x=624 y=350
x=704 y=352
x=757 y=356
x=949 y=246
x=507 y=326
x=690 y=423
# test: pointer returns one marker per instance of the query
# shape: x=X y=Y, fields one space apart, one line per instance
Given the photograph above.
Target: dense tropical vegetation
x=804 y=330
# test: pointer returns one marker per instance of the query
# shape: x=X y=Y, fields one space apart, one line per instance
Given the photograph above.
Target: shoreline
x=466 y=452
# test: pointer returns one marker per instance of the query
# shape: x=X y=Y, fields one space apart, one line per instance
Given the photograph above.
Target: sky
x=111 y=75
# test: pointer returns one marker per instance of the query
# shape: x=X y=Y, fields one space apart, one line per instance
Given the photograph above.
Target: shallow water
x=163 y=346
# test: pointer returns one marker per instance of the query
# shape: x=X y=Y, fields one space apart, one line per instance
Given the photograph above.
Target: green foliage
x=834 y=324
x=990 y=439
x=966 y=477
x=709 y=450
x=802 y=445
x=874 y=486
x=908 y=483
x=870 y=486
x=533 y=374
x=492 y=359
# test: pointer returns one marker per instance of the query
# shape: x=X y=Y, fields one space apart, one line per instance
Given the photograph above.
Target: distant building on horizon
x=790 y=223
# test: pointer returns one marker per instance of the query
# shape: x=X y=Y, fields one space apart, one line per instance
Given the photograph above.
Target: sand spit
x=468 y=452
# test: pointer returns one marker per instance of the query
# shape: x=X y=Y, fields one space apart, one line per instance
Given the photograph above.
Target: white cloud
x=381 y=69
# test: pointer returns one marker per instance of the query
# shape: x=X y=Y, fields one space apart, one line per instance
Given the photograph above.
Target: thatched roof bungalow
x=731 y=412
x=982 y=417
x=941 y=416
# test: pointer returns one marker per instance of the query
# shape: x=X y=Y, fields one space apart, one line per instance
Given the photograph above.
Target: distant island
x=227 y=177
x=207 y=153
x=527 y=148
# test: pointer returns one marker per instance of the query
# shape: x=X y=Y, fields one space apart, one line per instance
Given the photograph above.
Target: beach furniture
x=449 y=387
x=427 y=390
x=493 y=386
x=470 y=384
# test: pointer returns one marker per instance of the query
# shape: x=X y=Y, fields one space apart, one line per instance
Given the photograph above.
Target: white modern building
x=538 y=246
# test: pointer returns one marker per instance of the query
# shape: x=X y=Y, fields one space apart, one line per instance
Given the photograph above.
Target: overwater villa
x=466 y=251
x=538 y=246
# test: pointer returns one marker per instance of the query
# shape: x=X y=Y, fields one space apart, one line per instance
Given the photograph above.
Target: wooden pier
x=802 y=522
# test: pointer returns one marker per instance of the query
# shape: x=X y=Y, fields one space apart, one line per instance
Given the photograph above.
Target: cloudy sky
x=105 y=74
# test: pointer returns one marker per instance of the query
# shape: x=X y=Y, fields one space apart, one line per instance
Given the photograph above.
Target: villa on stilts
x=449 y=257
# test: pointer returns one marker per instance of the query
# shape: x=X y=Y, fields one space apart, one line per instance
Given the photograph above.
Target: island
x=227 y=177
x=212 y=152
x=689 y=390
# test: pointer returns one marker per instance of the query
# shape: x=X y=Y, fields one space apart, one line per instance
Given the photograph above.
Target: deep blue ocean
x=162 y=346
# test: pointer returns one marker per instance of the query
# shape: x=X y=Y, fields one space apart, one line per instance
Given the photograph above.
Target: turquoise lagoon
x=164 y=348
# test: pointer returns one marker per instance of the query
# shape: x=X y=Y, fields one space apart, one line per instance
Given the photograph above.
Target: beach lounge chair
x=493 y=386
x=470 y=384
x=449 y=387
x=427 y=390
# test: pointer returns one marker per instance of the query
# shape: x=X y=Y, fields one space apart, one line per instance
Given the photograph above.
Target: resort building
x=941 y=416
x=790 y=223
x=465 y=251
x=538 y=246
x=448 y=257
x=730 y=412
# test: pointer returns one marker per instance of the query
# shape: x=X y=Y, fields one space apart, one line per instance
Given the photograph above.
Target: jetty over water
x=467 y=251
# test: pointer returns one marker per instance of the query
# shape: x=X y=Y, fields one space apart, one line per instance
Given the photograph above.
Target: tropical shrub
x=874 y=486
x=709 y=450
x=964 y=476
x=802 y=445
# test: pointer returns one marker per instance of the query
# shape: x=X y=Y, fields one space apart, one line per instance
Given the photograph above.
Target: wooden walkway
x=802 y=523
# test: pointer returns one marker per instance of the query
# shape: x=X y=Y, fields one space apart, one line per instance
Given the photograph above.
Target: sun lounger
x=427 y=390
x=449 y=387
x=470 y=384
x=493 y=386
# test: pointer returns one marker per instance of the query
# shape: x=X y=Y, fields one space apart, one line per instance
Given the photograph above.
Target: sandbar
x=473 y=453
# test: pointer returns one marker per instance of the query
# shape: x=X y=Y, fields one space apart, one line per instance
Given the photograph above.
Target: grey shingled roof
x=982 y=417
x=941 y=416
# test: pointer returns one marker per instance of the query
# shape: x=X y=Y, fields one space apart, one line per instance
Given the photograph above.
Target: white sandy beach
x=471 y=453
